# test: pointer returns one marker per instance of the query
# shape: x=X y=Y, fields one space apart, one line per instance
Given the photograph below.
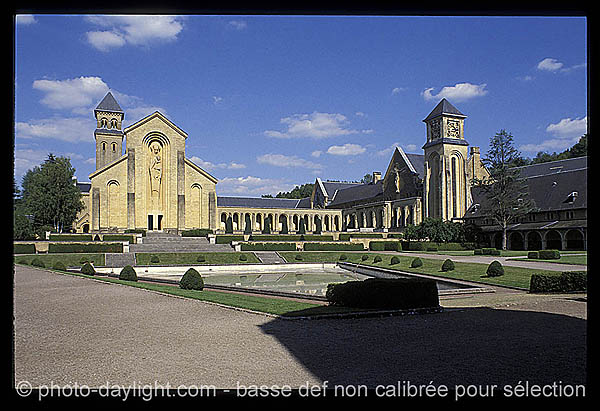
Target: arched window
x=114 y=147
x=113 y=123
x=103 y=122
x=103 y=146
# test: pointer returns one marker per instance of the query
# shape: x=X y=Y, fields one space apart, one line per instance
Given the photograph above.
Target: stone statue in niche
x=397 y=179
x=155 y=170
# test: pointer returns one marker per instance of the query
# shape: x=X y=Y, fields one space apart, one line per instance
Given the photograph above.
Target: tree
x=506 y=192
x=367 y=179
x=49 y=195
x=247 y=224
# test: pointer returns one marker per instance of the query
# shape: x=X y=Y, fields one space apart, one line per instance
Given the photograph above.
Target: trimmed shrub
x=416 y=263
x=24 y=249
x=298 y=257
x=343 y=257
x=118 y=237
x=477 y=251
x=154 y=259
x=448 y=265
x=377 y=259
x=88 y=269
x=197 y=232
x=333 y=247
x=533 y=255
x=384 y=293
x=432 y=248
x=36 y=262
x=549 y=254
x=394 y=260
x=191 y=280
x=226 y=239
x=566 y=282
x=200 y=259
x=385 y=246
x=136 y=231
x=495 y=269
x=364 y=257
x=490 y=251
x=70 y=237
x=58 y=265
x=243 y=257
x=128 y=274
x=85 y=248
x=97 y=238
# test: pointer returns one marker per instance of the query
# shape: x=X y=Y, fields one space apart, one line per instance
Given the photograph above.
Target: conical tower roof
x=444 y=107
x=109 y=103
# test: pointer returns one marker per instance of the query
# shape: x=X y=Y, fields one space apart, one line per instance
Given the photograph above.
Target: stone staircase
x=156 y=242
x=119 y=259
x=269 y=257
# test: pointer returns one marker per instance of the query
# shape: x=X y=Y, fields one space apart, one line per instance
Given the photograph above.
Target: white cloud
x=397 y=90
x=360 y=114
x=569 y=128
x=549 y=64
x=238 y=24
x=207 y=165
x=407 y=148
x=251 y=185
x=133 y=30
x=347 y=149
x=72 y=93
x=315 y=125
x=280 y=160
x=73 y=130
x=458 y=92
x=217 y=99
x=316 y=153
x=25 y=19
x=566 y=133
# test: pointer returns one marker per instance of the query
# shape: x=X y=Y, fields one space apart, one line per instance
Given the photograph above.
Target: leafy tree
x=49 y=194
x=506 y=192
x=367 y=179
x=229 y=225
x=267 y=225
x=284 y=226
x=302 y=228
x=247 y=224
x=305 y=190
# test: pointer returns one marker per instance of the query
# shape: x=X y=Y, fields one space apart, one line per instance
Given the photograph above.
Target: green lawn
x=564 y=259
x=71 y=259
x=192 y=258
x=513 y=276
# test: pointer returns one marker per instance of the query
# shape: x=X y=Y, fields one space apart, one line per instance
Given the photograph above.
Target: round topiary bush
x=377 y=259
x=298 y=257
x=495 y=269
x=128 y=274
x=448 y=265
x=154 y=259
x=243 y=257
x=58 y=265
x=416 y=263
x=395 y=260
x=343 y=257
x=36 y=262
x=365 y=257
x=200 y=259
x=191 y=280
x=84 y=260
x=88 y=269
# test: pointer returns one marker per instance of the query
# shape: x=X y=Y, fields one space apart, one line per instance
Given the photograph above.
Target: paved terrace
x=70 y=329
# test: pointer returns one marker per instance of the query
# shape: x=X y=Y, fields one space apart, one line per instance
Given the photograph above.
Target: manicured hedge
x=136 y=231
x=495 y=269
x=348 y=236
x=118 y=237
x=71 y=237
x=226 y=239
x=549 y=254
x=570 y=281
x=490 y=251
x=269 y=247
x=533 y=254
x=85 y=248
x=385 y=246
x=448 y=265
x=290 y=237
x=333 y=247
x=191 y=280
x=384 y=293
x=198 y=232
x=426 y=245
x=128 y=274
x=88 y=269
x=24 y=248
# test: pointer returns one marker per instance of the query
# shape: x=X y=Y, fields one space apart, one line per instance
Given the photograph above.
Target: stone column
x=131 y=188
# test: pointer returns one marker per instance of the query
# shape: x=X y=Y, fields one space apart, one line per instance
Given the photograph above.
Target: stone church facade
x=150 y=184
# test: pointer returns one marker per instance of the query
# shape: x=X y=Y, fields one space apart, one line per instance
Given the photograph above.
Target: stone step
x=119 y=259
x=171 y=248
x=269 y=257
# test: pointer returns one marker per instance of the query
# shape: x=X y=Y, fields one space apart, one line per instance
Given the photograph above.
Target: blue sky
x=270 y=102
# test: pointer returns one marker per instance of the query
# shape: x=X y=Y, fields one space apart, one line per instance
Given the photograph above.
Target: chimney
x=376 y=176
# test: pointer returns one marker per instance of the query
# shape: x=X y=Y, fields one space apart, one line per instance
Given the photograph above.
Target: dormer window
x=572 y=197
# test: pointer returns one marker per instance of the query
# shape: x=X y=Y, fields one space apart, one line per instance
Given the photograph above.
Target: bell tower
x=445 y=190
x=108 y=133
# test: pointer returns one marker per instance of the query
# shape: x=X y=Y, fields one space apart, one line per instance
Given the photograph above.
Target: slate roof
x=444 y=107
x=332 y=186
x=553 y=167
x=358 y=192
x=550 y=191
x=255 y=202
x=418 y=163
x=109 y=103
x=84 y=187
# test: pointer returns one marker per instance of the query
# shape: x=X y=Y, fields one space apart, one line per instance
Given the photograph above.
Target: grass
x=191 y=258
x=564 y=259
x=268 y=305
x=68 y=259
x=513 y=276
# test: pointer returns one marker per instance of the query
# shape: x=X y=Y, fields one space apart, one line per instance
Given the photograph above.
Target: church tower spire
x=108 y=134
x=445 y=190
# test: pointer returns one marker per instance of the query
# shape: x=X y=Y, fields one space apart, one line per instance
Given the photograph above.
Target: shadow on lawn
x=467 y=346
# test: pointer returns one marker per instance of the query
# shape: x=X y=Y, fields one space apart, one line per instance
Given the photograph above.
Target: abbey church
x=150 y=184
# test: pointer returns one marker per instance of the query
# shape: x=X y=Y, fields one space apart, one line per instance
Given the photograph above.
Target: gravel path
x=70 y=329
